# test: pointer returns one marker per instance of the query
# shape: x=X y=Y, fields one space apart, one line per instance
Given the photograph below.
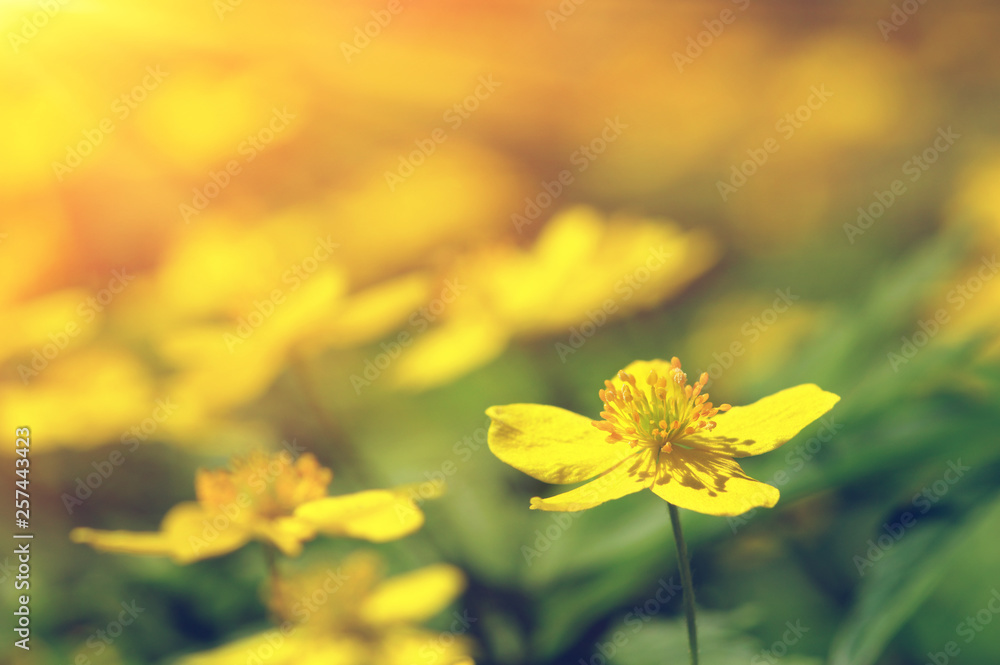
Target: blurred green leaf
x=722 y=640
x=901 y=580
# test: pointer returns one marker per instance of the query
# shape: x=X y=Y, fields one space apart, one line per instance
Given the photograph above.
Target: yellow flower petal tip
x=656 y=431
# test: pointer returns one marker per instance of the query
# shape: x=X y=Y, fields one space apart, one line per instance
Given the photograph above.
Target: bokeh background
x=229 y=224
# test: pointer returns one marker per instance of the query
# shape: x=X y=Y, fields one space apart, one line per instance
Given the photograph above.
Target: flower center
x=271 y=485
x=656 y=414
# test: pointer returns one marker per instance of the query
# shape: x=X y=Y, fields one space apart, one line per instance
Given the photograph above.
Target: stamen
x=671 y=410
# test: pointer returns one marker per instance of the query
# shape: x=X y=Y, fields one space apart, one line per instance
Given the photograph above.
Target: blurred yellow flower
x=454 y=200
x=233 y=304
x=97 y=392
x=583 y=270
x=273 y=498
x=347 y=615
x=968 y=306
x=675 y=447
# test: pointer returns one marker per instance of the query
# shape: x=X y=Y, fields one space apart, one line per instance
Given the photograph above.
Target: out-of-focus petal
x=413 y=597
x=375 y=515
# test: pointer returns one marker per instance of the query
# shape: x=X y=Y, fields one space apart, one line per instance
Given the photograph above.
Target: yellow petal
x=278 y=648
x=187 y=534
x=127 y=542
x=409 y=646
x=635 y=473
x=448 y=352
x=285 y=647
x=551 y=444
x=375 y=515
x=767 y=423
x=287 y=533
x=709 y=483
x=196 y=534
x=98 y=392
x=413 y=597
x=375 y=311
x=329 y=650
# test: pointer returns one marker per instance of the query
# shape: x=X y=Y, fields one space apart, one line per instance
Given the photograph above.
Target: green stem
x=340 y=447
x=273 y=574
x=273 y=581
x=686 y=582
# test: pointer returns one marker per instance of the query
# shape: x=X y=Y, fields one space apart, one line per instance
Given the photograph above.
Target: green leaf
x=722 y=640
x=901 y=580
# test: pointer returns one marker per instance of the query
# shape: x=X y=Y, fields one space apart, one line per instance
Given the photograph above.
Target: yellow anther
x=669 y=411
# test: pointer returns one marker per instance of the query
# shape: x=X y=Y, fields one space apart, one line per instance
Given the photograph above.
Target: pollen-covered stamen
x=275 y=484
x=665 y=410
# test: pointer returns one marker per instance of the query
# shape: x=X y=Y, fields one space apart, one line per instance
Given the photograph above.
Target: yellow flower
x=658 y=433
x=233 y=305
x=348 y=616
x=98 y=392
x=276 y=499
x=582 y=271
